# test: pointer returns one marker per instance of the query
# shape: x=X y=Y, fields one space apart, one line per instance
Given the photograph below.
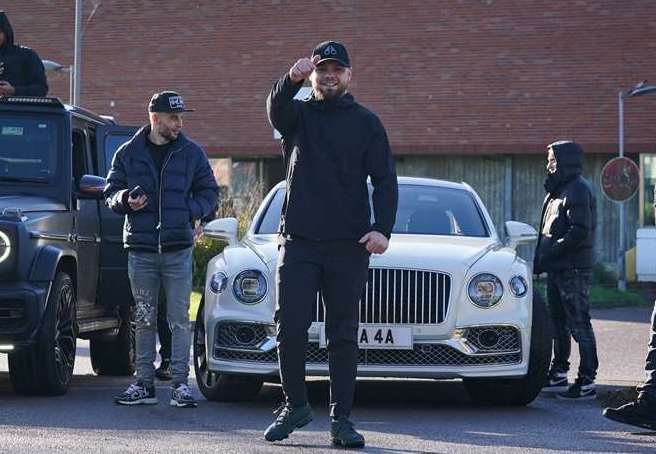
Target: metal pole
x=621 y=268
x=78 y=53
x=70 y=84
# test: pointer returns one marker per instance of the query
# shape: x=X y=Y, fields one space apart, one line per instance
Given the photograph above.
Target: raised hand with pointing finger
x=302 y=69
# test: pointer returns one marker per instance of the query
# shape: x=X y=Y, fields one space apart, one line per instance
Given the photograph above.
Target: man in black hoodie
x=565 y=250
x=331 y=144
x=21 y=70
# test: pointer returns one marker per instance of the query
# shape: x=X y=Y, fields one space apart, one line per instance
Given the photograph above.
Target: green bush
x=204 y=250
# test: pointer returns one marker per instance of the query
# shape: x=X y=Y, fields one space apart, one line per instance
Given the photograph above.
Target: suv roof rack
x=32 y=100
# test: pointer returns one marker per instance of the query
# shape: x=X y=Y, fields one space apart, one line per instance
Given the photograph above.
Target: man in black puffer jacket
x=565 y=250
x=21 y=70
x=163 y=183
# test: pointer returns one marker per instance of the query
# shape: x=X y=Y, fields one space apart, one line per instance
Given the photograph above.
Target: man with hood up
x=565 y=250
x=21 y=70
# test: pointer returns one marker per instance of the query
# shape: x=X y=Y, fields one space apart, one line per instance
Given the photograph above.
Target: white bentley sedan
x=449 y=299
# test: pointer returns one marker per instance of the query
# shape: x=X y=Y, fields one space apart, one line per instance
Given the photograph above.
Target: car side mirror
x=519 y=233
x=222 y=229
x=91 y=187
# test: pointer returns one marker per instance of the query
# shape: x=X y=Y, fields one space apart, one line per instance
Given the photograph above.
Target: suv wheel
x=115 y=356
x=521 y=391
x=47 y=367
x=217 y=387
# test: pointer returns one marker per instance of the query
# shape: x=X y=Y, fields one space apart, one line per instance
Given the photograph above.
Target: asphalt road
x=395 y=415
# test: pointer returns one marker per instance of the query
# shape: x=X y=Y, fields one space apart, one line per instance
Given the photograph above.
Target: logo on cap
x=330 y=50
x=176 y=102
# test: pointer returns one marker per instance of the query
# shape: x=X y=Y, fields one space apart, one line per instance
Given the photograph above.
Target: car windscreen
x=29 y=147
x=423 y=210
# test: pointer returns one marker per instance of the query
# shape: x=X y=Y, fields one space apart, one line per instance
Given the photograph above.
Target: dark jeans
x=339 y=269
x=648 y=389
x=568 y=292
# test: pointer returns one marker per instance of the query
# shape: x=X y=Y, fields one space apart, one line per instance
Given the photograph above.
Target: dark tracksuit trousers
x=339 y=269
x=648 y=389
x=568 y=293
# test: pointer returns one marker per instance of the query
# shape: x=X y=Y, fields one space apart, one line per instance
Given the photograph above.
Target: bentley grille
x=400 y=296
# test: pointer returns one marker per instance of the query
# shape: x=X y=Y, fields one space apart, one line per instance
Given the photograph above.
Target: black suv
x=63 y=269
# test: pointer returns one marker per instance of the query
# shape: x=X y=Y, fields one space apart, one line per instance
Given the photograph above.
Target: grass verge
x=193 y=307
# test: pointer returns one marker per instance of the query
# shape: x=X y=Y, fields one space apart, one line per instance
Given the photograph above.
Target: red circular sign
x=620 y=179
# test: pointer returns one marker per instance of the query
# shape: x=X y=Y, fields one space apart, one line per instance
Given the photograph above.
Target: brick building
x=468 y=89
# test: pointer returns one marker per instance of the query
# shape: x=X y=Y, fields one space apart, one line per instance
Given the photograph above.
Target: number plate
x=378 y=336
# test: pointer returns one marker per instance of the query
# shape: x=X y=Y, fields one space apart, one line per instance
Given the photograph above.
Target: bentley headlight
x=485 y=290
x=218 y=282
x=5 y=246
x=518 y=286
x=250 y=286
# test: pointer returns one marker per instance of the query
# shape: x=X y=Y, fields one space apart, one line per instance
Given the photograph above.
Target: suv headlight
x=5 y=246
x=518 y=286
x=250 y=286
x=485 y=290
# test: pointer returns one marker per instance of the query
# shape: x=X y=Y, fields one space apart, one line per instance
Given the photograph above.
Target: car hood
x=30 y=204
x=426 y=252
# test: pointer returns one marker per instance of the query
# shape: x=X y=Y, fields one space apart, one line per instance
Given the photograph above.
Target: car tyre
x=219 y=387
x=116 y=356
x=519 y=392
x=46 y=368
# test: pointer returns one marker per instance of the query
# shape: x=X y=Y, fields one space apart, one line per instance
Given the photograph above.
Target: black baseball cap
x=332 y=50
x=168 y=102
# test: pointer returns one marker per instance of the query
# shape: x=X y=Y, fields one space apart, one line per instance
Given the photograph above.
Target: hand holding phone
x=137 y=198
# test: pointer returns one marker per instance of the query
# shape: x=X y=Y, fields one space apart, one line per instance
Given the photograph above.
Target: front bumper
x=21 y=310
x=235 y=352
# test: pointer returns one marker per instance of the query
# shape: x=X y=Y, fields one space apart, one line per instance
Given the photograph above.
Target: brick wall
x=468 y=76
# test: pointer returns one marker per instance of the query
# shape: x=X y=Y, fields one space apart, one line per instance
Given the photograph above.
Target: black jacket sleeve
x=281 y=106
x=34 y=82
x=204 y=190
x=381 y=169
x=116 y=189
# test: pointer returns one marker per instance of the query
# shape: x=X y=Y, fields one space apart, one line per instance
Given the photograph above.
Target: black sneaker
x=343 y=434
x=556 y=383
x=637 y=413
x=137 y=394
x=181 y=397
x=581 y=389
x=288 y=419
x=163 y=372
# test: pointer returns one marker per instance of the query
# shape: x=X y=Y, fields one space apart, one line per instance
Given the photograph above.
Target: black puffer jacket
x=20 y=66
x=188 y=192
x=569 y=215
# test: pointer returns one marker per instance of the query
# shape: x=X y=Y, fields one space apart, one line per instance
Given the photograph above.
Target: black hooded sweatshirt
x=569 y=215
x=330 y=148
x=20 y=66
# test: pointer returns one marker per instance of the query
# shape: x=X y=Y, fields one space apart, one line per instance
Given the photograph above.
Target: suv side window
x=80 y=156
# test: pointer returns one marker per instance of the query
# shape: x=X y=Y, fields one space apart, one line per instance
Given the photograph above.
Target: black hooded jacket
x=20 y=66
x=330 y=148
x=569 y=215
